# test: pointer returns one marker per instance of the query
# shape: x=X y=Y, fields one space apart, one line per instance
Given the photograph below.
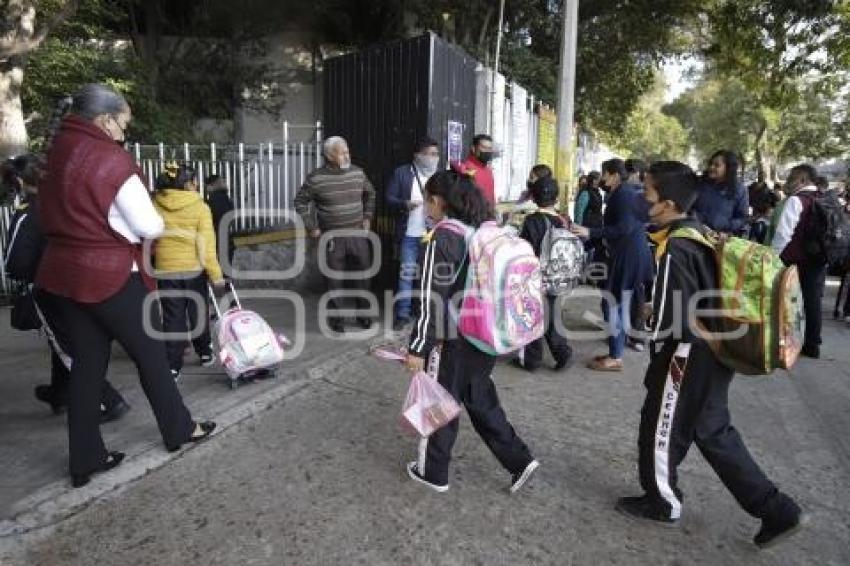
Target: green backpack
x=760 y=292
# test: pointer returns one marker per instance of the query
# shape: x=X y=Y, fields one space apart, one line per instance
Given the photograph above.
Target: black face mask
x=485 y=157
x=529 y=184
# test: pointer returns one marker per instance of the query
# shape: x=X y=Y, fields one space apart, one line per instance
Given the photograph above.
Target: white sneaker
x=413 y=472
x=518 y=481
x=847 y=319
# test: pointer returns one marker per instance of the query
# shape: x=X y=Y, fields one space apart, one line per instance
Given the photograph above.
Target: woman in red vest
x=96 y=212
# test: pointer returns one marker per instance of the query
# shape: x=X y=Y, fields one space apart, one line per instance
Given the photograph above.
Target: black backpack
x=827 y=231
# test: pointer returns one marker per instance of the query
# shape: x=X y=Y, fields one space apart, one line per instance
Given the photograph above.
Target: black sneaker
x=776 y=530
x=519 y=480
x=365 y=323
x=336 y=326
x=644 y=507
x=175 y=374
x=114 y=412
x=206 y=360
x=413 y=472
x=565 y=361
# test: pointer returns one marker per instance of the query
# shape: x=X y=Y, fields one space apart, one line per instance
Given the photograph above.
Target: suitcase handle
x=215 y=300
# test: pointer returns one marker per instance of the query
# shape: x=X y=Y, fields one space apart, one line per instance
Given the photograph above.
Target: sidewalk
x=35 y=488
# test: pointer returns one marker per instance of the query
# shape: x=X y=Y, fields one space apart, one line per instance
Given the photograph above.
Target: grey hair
x=332 y=142
x=95 y=99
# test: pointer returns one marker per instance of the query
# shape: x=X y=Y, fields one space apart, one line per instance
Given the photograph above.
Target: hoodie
x=188 y=243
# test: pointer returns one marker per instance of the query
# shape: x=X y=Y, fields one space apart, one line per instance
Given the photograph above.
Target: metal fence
x=262 y=179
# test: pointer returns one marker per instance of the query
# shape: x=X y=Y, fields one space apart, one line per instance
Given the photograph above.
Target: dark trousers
x=687 y=402
x=92 y=328
x=812 y=282
x=348 y=253
x=465 y=373
x=558 y=345
x=180 y=313
x=61 y=356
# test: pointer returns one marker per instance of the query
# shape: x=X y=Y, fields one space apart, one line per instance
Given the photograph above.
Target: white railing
x=262 y=179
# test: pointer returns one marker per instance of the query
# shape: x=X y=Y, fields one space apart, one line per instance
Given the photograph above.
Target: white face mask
x=345 y=164
x=427 y=164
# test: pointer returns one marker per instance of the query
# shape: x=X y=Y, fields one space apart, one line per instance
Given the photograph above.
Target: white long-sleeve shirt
x=133 y=215
x=788 y=220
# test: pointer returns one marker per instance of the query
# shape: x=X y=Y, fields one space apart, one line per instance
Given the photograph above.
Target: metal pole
x=566 y=99
x=496 y=65
x=286 y=164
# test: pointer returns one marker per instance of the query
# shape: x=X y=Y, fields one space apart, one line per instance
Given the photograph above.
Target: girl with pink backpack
x=464 y=368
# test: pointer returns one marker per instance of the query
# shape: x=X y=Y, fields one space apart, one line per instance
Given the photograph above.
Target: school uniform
x=464 y=369
x=534 y=230
x=687 y=391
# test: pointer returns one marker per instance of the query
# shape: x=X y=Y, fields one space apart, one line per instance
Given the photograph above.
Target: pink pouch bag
x=428 y=406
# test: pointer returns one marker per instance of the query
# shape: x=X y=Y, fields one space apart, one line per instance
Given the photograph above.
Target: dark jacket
x=629 y=258
x=398 y=195
x=26 y=242
x=536 y=225
x=220 y=204
x=722 y=208
x=85 y=259
x=685 y=267
x=444 y=271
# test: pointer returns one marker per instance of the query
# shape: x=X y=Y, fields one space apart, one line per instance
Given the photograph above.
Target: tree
x=778 y=50
x=24 y=26
x=648 y=133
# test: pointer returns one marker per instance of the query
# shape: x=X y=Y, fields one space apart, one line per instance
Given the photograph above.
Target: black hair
x=544 y=192
x=541 y=171
x=593 y=177
x=675 y=182
x=730 y=158
x=424 y=143
x=615 y=166
x=212 y=179
x=464 y=200
x=763 y=199
x=808 y=172
x=175 y=176
x=22 y=170
x=822 y=183
x=481 y=137
x=636 y=166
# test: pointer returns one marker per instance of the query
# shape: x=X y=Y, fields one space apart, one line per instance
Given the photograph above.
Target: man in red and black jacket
x=476 y=166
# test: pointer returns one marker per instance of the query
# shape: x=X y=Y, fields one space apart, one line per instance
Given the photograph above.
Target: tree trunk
x=13 y=129
x=761 y=155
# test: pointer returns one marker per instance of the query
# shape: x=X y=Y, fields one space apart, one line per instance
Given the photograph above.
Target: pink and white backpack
x=502 y=308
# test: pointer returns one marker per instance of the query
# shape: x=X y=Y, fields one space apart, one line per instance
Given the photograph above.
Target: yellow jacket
x=188 y=242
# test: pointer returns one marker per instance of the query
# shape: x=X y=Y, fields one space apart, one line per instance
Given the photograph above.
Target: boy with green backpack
x=688 y=378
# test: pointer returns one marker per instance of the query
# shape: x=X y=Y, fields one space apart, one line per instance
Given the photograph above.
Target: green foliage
x=649 y=134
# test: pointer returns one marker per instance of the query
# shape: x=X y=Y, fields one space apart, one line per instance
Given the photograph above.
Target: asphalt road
x=319 y=479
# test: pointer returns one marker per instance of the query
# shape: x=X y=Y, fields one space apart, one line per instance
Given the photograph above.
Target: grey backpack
x=561 y=261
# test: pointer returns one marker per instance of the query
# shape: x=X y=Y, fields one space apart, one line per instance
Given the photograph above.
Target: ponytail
x=464 y=200
x=174 y=176
x=62 y=108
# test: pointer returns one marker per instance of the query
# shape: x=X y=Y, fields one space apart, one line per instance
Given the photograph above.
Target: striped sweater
x=333 y=198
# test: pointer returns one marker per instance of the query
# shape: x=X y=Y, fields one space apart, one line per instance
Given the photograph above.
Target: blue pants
x=409 y=252
x=618 y=318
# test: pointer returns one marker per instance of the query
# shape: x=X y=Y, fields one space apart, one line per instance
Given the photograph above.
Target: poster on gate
x=454 y=143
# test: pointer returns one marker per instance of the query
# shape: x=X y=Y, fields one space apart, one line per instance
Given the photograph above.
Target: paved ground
x=318 y=478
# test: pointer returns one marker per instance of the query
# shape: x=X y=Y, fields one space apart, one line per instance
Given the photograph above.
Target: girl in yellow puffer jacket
x=185 y=260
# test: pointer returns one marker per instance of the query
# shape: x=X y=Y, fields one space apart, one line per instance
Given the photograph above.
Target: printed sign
x=455 y=141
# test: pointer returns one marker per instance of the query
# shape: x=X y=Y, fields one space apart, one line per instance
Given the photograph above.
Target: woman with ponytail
x=464 y=369
x=96 y=212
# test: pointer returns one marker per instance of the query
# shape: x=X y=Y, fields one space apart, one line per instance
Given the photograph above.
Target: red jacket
x=85 y=260
x=481 y=174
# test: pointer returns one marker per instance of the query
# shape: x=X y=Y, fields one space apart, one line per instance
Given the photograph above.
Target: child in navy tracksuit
x=544 y=192
x=687 y=386
x=464 y=369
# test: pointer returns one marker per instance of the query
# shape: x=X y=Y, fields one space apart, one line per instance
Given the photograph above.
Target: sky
x=675 y=72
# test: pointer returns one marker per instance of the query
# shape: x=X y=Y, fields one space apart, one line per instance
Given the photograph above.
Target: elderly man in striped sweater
x=338 y=197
